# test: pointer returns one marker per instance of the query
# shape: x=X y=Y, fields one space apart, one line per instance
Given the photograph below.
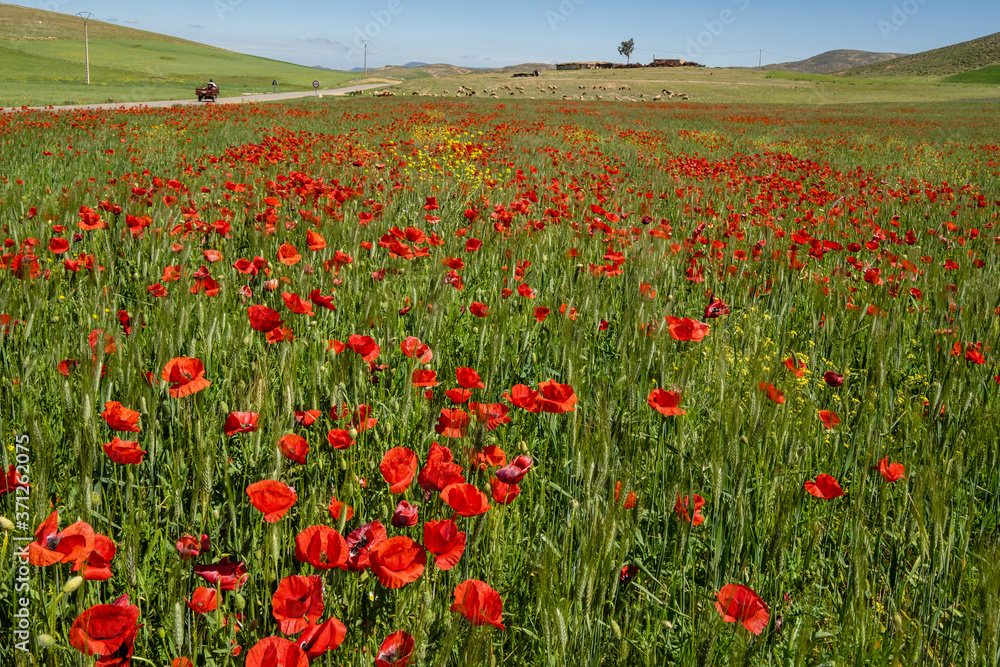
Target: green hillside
x=944 y=62
x=43 y=63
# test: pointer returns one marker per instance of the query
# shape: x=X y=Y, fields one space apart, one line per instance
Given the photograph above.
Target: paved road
x=243 y=99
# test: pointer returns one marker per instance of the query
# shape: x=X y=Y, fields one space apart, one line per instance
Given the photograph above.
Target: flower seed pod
x=46 y=641
x=6 y=523
x=73 y=584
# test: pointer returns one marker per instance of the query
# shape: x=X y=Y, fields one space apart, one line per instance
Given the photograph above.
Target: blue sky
x=490 y=34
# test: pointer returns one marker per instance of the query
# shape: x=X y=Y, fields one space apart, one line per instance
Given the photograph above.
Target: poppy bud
x=353 y=433
x=239 y=602
x=616 y=629
x=523 y=447
x=6 y=523
x=46 y=641
x=72 y=584
x=252 y=625
x=667 y=625
x=55 y=318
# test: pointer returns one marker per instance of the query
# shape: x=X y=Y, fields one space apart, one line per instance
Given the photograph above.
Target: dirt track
x=243 y=99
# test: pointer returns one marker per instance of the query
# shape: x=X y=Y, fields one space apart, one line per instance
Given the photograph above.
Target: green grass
x=902 y=573
x=985 y=75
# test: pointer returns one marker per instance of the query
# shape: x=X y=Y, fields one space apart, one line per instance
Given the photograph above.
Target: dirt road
x=243 y=99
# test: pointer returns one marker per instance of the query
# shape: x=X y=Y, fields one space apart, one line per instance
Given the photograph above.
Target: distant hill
x=414 y=64
x=975 y=54
x=833 y=61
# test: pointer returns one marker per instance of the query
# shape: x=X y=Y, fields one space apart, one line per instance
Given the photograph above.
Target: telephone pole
x=86 y=41
x=366 y=42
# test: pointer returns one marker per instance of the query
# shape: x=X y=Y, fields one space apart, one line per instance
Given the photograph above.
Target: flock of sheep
x=506 y=88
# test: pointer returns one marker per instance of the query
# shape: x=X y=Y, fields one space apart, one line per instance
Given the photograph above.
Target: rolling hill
x=947 y=61
x=43 y=52
x=833 y=61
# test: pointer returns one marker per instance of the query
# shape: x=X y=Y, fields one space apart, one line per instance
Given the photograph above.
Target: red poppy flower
x=458 y=395
x=13 y=480
x=395 y=650
x=297 y=304
x=682 y=506
x=322 y=547
x=227 y=575
x=491 y=456
x=716 y=308
x=825 y=487
x=339 y=438
x=275 y=652
x=263 y=318
x=203 y=600
x=891 y=472
x=365 y=346
x=452 y=423
x=336 y=508
x=555 y=398
x=443 y=539
x=686 y=329
x=541 y=313
x=318 y=639
x=398 y=561
x=833 y=379
x=106 y=629
x=294 y=447
x=66 y=366
x=306 y=417
x=288 y=255
x=479 y=309
x=504 y=493
x=360 y=543
x=479 y=603
x=422 y=378
x=271 y=497
x=123 y=452
x=494 y=414
x=465 y=499
x=315 y=240
x=772 y=392
x=190 y=547
x=469 y=378
x=413 y=348
x=524 y=397
x=70 y=545
x=186 y=376
x=440 y=470
x=97 y=566
x=240 y=422
x=58 y=245
x=297 y=603
x=316 y=296
x=741 y=604
x=829 y=419
x=665 y=402
x=630 y=497
x=405 y=515
x=398 y=467
x=794 y=366
x=121 y=418
x=515 y=471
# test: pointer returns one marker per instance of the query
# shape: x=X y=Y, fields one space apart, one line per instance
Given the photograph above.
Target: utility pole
x=366 y=42
x=86 y=41
x=760 y=59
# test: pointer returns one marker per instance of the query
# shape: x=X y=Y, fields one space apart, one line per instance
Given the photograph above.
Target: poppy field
x=356 y=382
